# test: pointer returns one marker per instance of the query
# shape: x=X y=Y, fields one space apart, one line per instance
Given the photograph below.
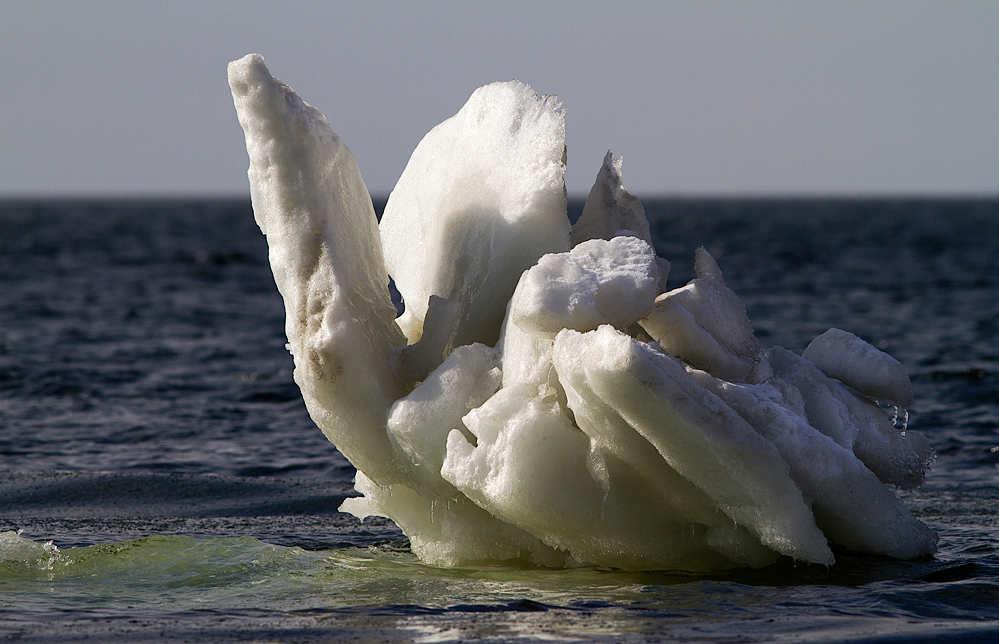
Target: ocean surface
x=160 y=479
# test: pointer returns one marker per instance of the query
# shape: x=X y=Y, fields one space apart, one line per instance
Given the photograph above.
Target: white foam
x=607 y=425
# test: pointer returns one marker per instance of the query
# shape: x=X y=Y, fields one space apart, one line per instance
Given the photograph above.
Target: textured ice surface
x=481 y=199
x=537 y=404
x=311 y=203
x=845 y=357
x=705 y=324
x=610 y=210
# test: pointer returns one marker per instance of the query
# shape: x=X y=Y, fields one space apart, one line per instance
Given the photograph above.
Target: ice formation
x=542 y=399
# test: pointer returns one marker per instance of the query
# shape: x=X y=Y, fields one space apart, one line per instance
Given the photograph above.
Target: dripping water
x=900 y=419
x=899 y=416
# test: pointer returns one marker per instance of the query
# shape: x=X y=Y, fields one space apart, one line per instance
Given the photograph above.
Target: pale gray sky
x=702 y=97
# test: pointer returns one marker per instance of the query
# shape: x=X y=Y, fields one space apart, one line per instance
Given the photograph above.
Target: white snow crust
x=543 y=399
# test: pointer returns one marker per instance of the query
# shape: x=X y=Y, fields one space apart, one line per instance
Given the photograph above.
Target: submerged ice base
x=542 y=399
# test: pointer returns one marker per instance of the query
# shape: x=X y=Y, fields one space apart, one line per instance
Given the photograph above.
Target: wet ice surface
x=630 y=427
x=141 y=356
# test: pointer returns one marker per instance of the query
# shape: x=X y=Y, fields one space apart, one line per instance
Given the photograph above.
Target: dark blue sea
x=161 y=481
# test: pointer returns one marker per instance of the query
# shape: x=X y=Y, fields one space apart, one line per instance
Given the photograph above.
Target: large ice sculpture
x=542 y=400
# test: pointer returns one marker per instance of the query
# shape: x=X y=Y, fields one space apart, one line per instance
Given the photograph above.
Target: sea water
x=160 y=479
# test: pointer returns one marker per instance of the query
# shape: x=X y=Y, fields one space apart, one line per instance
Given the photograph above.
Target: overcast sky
x=101 y=98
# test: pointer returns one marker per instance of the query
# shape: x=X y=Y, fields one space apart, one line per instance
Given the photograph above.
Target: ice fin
x=531 y=467
x=597 y=282
x=610 y=210
x=449 y=531
x=697 y=434
x=481 y=199
x=325 y=252
x=705 y=324
x=854 y=422
x=705 y=266
x=852 y=507
x=420 y=423
x=847 y=358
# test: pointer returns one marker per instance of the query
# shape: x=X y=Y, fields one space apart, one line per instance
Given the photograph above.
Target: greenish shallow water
x=174 y=587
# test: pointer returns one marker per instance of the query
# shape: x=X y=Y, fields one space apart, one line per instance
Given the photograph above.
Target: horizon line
x=679 y=196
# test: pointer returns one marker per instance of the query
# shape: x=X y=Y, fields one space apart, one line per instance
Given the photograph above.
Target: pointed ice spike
x=325 y=252
x=610 y=210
